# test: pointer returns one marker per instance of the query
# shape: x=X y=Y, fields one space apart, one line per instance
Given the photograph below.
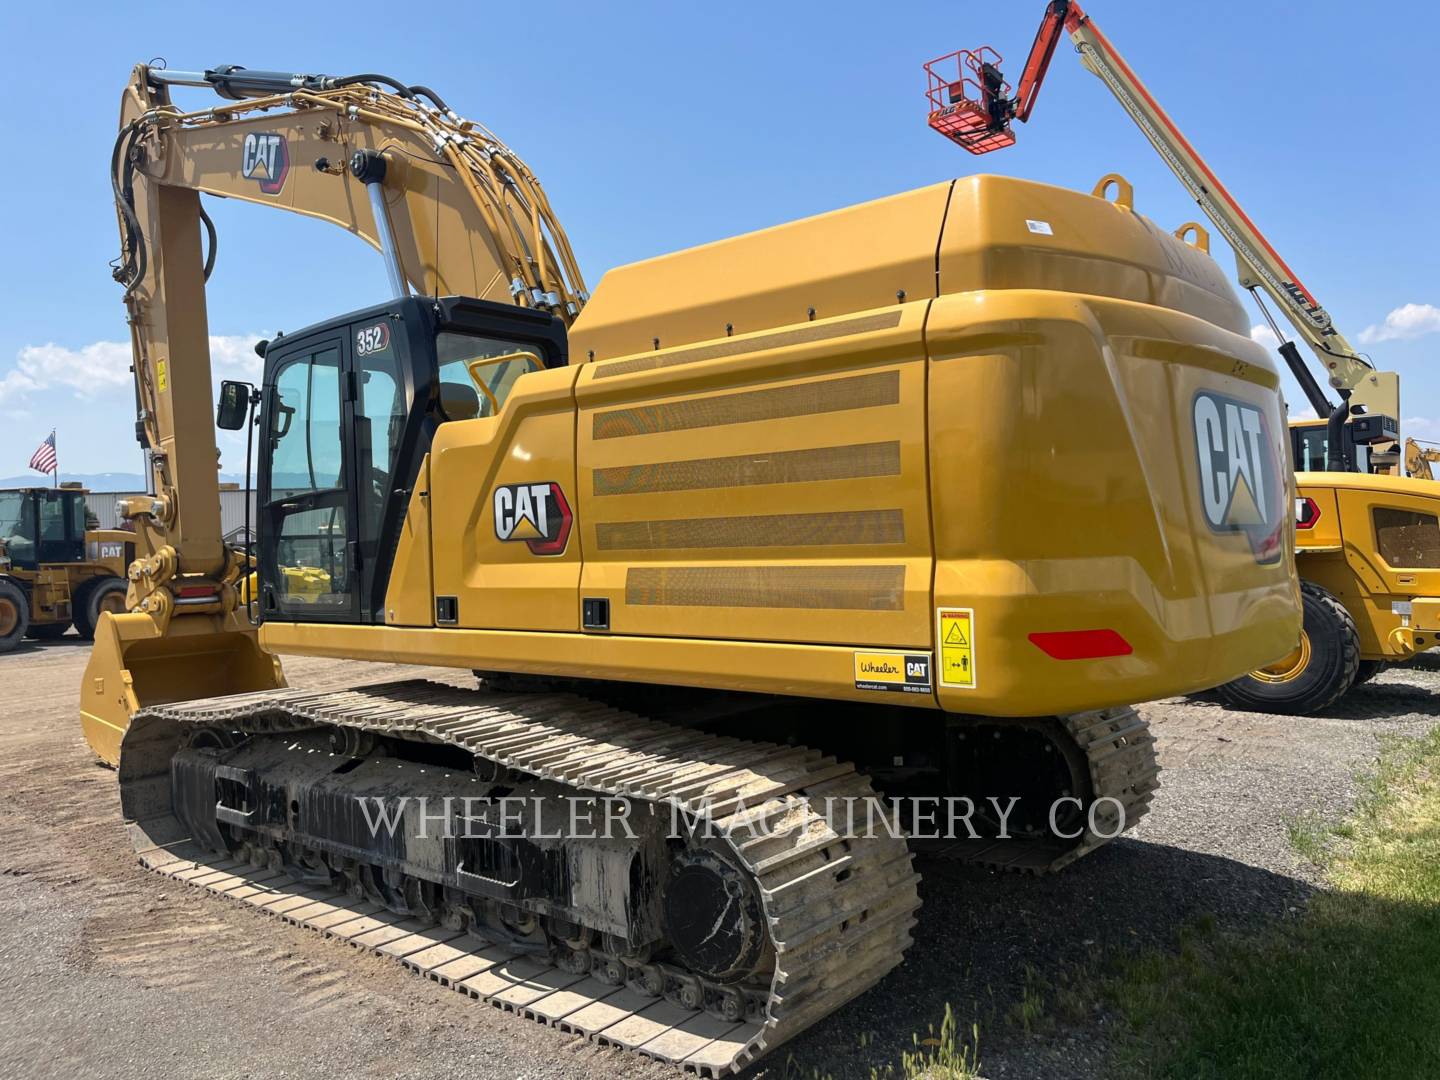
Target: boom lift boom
x=975 y=110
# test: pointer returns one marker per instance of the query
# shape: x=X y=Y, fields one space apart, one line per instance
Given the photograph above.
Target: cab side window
x=488 y=365
x=1407 y=539
x=52 y=519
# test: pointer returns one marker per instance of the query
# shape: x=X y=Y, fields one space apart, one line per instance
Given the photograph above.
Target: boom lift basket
x=968 y=99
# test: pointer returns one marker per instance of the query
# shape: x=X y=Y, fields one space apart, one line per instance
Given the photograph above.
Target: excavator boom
x=452 y=211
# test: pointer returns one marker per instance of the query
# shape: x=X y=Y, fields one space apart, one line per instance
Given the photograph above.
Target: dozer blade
x=133 y=666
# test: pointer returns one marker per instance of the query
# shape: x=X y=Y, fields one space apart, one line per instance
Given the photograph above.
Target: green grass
x=1351 y=988
x=941 y=1055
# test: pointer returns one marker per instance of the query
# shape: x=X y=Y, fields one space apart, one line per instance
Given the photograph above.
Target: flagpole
x=55 y=472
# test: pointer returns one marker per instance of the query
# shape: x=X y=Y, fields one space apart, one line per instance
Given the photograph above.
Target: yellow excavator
x=1418 y=456
x=774 y=557
x=1369 y=544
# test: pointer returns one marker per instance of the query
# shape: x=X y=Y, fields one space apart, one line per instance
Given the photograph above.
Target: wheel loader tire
x=105 y=594
x=48 y=631
x=1321 y=668
x=1369 y=669
x=14 y=615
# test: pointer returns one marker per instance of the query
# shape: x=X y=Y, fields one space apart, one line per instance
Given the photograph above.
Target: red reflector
x=186 y=592
x=1081 y=644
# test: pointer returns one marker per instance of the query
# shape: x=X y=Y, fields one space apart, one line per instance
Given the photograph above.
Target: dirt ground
x=109 y=971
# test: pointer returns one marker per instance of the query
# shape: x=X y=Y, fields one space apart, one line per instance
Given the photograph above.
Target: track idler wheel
x=712 y=916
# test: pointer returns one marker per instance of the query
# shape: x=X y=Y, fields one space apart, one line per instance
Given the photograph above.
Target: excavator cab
x=348 y=411
x=1362 y=440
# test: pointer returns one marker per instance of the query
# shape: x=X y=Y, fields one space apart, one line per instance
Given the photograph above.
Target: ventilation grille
x=741 y=346
x=767 y=530
x=744 y=470
x=776 y=403
x=849 y=588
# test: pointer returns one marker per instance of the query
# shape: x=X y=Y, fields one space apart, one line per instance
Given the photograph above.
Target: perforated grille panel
x=851 y=588
x=743 y=470
x=804 y=399
x=741 y=346
x=763 y=530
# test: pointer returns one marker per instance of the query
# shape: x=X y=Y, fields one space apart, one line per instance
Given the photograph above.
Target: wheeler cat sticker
x=265 y=158
x=1241 y=485
x=535 y=513
x=909 y=673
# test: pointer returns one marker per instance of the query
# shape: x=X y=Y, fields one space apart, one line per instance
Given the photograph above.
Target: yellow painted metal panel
x=841 y=557
x=498 y=583
x=851 y=260
x=1066 y=496
x=410 y=595
x=818 y=671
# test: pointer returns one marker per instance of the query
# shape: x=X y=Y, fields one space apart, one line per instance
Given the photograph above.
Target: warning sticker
x=907 y=672
x=956 y=633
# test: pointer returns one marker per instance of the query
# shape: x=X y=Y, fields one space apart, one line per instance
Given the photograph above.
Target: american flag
x=44 y=460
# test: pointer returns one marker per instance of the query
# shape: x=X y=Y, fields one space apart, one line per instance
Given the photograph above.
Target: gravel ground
x=108 y=971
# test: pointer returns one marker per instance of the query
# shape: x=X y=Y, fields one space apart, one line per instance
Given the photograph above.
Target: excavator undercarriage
x=697 y=896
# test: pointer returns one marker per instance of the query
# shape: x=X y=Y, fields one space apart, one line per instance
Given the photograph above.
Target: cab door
x=62 y=527
x=309 y=549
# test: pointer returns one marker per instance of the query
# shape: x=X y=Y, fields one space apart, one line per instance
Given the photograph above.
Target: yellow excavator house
x=910 y=498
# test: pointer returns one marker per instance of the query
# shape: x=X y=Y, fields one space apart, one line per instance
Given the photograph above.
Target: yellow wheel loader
x=1369 y=597
x=774 y=555
x=53 y=572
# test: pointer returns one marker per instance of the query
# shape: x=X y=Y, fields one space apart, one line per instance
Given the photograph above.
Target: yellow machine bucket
x=134 y=666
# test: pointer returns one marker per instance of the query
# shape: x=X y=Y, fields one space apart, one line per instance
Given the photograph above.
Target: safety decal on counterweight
x=908 y=673
x=955 y=631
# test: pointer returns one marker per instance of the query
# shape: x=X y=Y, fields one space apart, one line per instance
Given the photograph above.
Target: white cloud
x=1421 y=427
x=1265 y=336
x=88 y=371
x=1405 y=322
x=104 y=366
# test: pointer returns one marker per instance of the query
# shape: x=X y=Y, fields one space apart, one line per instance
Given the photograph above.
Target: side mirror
x=234 y=407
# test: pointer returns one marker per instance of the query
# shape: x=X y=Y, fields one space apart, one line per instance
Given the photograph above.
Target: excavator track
x=1115 y=760
x=838 y=910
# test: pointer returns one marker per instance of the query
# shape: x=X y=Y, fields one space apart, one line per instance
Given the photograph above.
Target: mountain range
x=109 y=481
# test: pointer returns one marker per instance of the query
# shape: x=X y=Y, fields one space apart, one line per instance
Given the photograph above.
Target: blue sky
x=659 y=126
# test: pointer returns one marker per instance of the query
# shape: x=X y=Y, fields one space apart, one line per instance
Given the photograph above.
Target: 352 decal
x=372 y=339
x=536 y=514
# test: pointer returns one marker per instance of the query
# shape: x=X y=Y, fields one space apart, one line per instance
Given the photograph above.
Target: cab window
x=52 y=518
x=1407 y=539
x=491 y=365
x=17 y=527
